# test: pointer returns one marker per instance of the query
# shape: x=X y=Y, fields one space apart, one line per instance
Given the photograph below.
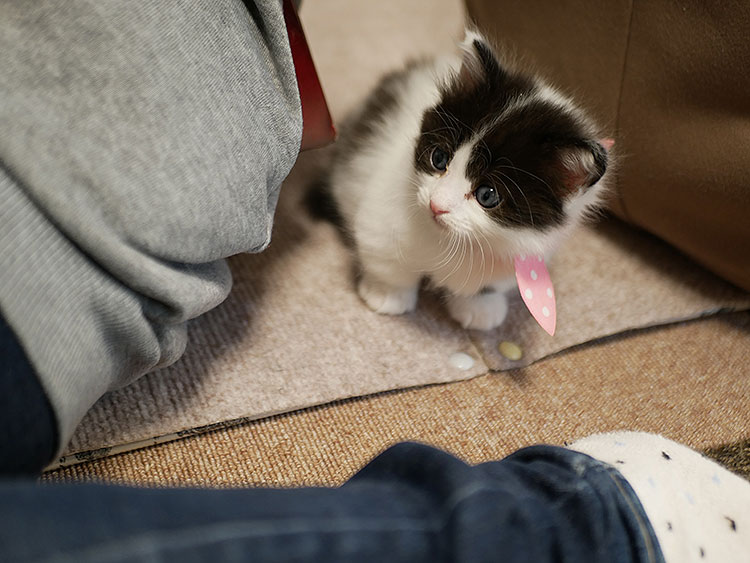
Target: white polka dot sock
x=699 y=510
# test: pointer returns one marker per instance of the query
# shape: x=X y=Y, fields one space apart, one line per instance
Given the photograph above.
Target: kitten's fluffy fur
x=431 y=142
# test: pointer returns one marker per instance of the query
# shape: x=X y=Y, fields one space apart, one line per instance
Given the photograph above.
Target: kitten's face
x=502 y=154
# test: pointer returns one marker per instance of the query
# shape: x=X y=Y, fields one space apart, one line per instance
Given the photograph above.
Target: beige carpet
x=688 y=381
x=294 y=334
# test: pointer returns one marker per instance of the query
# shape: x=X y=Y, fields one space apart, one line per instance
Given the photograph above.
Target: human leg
x=142 y=144
x=698 y=509
x=28 y=439
x=412 y=503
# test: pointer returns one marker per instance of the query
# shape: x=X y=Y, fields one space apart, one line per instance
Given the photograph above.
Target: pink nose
x=436 y=210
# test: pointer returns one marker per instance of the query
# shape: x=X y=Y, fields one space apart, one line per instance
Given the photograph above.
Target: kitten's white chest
x=464 y=266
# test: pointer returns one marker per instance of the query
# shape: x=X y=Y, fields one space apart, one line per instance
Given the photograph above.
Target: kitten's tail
x=320 y=202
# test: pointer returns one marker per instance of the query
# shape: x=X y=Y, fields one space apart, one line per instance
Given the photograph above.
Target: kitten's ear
x=478 y=63
x=583 y=164
x=607 y=143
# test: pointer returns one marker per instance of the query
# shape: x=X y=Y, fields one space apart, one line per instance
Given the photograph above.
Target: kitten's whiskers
x=484 y=262
x=459 y=250
x=491 y=254
x=469 y=270
x=448 y=251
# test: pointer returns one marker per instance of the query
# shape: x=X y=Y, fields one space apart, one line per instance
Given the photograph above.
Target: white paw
x=385 y=299
x=483 y=311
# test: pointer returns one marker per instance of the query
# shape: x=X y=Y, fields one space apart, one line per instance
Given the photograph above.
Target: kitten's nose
x=436 y=210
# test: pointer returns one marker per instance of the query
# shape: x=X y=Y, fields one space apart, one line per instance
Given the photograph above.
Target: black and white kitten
x=451 y=169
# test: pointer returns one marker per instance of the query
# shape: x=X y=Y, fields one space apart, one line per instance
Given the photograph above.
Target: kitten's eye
x=487 y=196
x=439 y=159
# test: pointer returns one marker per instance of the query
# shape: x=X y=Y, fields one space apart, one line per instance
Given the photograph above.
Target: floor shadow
x=668 y=260
x=739 y=321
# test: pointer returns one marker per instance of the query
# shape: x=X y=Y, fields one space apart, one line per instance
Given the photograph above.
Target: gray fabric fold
x=140 y=144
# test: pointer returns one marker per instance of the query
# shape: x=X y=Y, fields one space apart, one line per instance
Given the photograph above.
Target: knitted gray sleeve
x=140 y=144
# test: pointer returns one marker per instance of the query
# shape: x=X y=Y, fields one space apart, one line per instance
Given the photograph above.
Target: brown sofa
x=670 y=80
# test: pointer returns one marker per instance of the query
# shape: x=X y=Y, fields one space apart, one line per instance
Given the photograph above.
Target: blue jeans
x=28 y=429
x=412 y=503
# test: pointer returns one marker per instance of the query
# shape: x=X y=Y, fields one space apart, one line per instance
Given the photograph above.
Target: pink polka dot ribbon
x=536 y=290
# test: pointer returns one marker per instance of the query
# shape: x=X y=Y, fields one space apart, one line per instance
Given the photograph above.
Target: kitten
x=451 y=169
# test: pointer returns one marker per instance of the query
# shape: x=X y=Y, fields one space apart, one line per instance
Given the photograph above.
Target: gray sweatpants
x=141 y=143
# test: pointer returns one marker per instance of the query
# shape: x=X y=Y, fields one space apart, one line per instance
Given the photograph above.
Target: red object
x=317 y=126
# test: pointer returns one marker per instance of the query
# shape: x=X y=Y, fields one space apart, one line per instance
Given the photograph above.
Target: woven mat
x=687 y=381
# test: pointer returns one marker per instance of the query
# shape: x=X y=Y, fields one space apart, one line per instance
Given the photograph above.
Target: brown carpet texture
x=688 y=381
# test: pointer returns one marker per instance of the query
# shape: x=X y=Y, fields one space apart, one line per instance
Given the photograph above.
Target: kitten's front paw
x=483 y=311
x=385 y=299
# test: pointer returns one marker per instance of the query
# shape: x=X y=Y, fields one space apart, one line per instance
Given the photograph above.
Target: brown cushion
x=671 y=81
